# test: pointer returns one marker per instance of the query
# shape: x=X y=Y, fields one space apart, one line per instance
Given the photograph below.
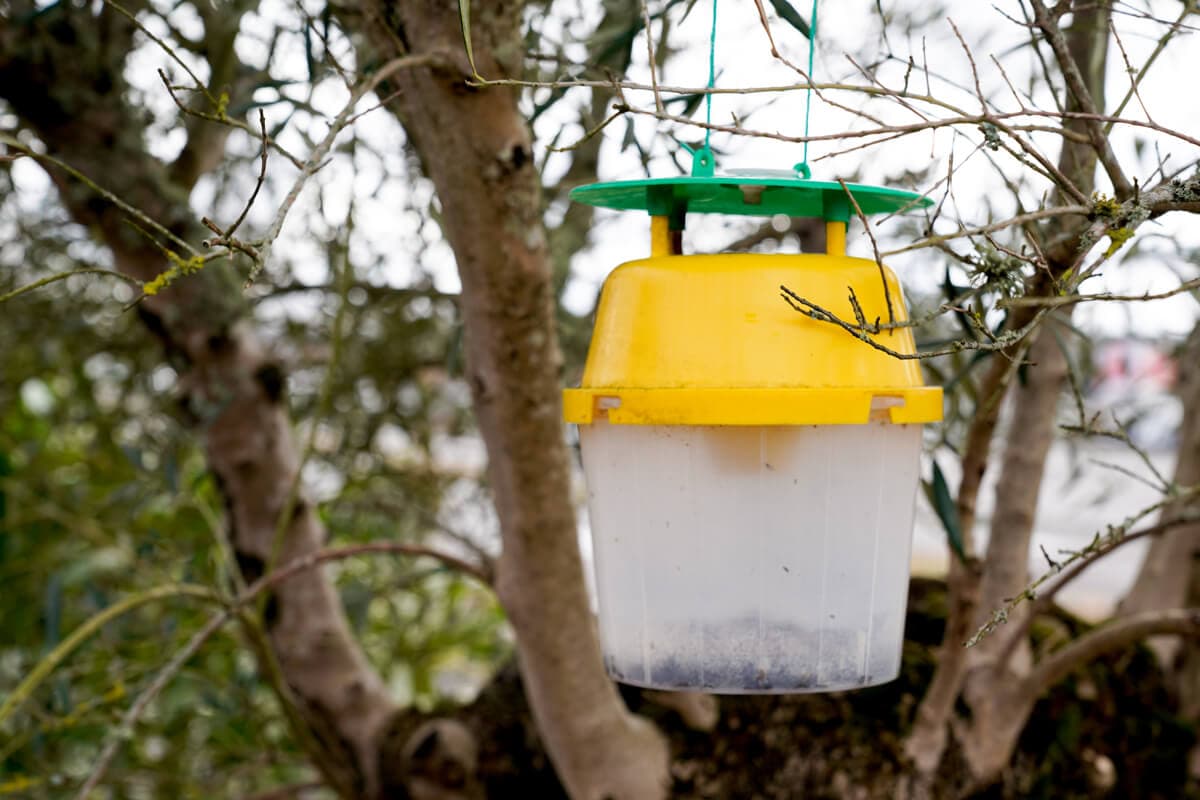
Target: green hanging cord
x=802 y=167
x=703 y=162
x=712 y=73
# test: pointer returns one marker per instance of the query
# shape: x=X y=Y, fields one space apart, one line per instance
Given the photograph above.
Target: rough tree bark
x=61 y=73
x=475 y=146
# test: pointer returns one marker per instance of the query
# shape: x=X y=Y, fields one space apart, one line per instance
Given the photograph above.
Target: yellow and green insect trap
x=752 y=471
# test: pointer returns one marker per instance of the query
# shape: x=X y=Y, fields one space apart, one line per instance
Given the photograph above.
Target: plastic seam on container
x=752 y=406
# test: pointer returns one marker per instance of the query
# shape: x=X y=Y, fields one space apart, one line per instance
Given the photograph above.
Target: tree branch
x=1078 y=87
x=62 y=276
x=316 y=159
x=177 y=662
x=1042 y=600
x=1113 y=636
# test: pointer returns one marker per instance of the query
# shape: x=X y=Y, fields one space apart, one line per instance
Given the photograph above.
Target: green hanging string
x=712 y=76
x=702 y=160
x=703 y=163
x=802 y=167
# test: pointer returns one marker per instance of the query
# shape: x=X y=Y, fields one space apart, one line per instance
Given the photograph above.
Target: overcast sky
x=851 y=29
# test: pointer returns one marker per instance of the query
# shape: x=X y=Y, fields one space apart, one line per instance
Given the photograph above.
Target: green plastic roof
x=750 y=194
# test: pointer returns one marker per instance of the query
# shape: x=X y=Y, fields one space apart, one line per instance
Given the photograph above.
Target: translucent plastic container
x=752 y=559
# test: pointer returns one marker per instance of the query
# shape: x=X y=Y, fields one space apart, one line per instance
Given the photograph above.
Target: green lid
x=754 y=193
x=751 y=193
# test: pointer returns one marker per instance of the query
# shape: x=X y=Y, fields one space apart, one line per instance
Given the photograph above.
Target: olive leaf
x=464 y=18
x=792 y=17
x=943 y=504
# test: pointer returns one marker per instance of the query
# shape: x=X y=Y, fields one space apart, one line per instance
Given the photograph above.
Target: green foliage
x=792 y=17
x=464 y=18
x=104 y=494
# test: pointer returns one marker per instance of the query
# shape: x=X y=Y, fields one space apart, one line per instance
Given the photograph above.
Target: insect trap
x=751 y=465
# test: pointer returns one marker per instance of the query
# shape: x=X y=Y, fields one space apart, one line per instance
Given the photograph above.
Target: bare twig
x=983 y=104
x=1126 y=471
x=887 y=292
x=1075 y=565
x=166 y=48
x=137 y=214
x=589 y=134
x=961 y=118
x=1075 y=82
x=1101 y=544
x=262 y=176
x=1129 y=70
x=658 y=105
x=863 y=333
x=220 y=119
x=1189 y=7
x=136 y=711
x=316 y=158
x=1067 y=300
x=1122 y=435
x=62 y=276
x=766 y=26
x=1019 y=219
x=225 y=237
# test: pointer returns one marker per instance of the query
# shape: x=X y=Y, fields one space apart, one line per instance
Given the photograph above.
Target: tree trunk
x=976 y=594
x=475 y=146
x=1031 y=432
x=999 y=709
x=997 y=713
x=926 y=742
x=1169 y=569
